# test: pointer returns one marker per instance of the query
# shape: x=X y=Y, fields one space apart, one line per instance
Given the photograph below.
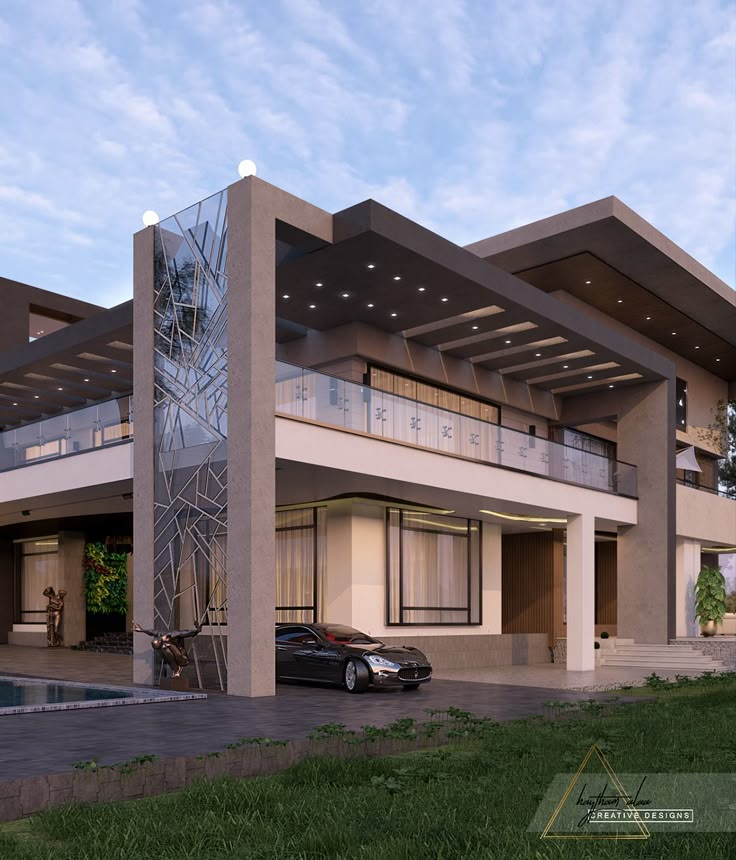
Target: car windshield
x=347 y=635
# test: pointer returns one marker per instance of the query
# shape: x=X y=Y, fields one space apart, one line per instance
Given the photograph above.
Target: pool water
x=32 y=695
x=24 y=692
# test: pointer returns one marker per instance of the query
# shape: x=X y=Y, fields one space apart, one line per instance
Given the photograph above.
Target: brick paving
x=45 y=743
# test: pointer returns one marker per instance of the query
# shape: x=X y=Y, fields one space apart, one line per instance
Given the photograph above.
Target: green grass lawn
x=473 y=799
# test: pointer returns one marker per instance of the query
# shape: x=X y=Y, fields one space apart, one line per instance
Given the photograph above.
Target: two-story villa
x=346 y=417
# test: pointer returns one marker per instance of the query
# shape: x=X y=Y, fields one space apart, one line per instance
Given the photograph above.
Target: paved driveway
x=41 y=743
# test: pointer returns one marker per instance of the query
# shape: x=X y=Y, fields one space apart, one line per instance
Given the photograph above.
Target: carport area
x=44 y=743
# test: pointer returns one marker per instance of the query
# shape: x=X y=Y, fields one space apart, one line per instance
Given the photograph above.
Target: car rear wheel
x=356 y=676
x=411 y=686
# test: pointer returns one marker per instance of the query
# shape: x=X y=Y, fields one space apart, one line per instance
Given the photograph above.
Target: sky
x=469 y=117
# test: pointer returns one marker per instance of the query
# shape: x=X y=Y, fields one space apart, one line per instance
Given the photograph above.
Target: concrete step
x=701 y=665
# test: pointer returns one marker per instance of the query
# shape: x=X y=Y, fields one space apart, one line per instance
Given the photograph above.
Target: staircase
x=108 y=643
x=675 y=659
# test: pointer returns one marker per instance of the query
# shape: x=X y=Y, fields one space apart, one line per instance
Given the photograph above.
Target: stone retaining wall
x=719 y=648
x=32 y=794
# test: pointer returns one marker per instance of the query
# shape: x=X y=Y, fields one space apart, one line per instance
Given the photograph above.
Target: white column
x=688 y=566
x=491 y=559
x=580 y=592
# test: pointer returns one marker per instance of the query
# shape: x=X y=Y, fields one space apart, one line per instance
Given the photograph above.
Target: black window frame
x=471 y=622
x=681 y=404
x=314 y=607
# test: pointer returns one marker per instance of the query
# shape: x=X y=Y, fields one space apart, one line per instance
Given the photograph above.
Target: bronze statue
x=171 y=645
x=54 y=609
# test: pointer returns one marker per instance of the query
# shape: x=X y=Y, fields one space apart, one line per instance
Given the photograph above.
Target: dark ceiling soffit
x=376 y=218
x=74 y=336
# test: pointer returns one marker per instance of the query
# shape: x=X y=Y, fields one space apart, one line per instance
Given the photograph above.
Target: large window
x=405 y=386
x=38 y=568
x=434 y=569
x=300 y=564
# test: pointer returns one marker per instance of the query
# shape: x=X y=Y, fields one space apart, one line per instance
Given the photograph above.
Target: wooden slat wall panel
x=527 y=583
x=605 y=582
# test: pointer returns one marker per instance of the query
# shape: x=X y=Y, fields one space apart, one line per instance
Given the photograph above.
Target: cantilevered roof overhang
x=89 y=361
x=387 y=271
x=609 y=257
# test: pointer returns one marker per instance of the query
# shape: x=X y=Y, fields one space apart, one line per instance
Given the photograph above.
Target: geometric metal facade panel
x=190 y=430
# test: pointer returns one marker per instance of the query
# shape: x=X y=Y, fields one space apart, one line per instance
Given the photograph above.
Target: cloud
x=470 y=117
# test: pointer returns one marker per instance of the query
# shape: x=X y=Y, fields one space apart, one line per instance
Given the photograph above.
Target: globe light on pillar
x=246 y=168
x=150 y=218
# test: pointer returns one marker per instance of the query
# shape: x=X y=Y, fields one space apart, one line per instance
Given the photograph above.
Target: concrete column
x=143 y=451
x=646 y=551
x=251 y=588
x=71 y=579
x=368 y=567
x=688 y=567
x=580 y=592
x=338 y=606
x=129 y=569
x=491 y=564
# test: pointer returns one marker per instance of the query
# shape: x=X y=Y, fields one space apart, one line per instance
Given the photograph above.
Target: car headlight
x=375 y=660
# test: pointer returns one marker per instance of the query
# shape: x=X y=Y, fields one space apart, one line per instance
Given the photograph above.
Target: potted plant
x=710 y=599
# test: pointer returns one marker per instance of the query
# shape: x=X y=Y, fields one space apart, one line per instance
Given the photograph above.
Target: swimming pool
x=33 y=695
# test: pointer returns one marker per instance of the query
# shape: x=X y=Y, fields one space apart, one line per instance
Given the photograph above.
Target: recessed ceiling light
x=370 y=304
x=475 y=327
x=674 y=332
x=319 y=284
x=41 y=332
x=346 y=295
x=620 y=301
x=445 y=299
x=15 y=404
x=397 y=277
x=422 y=289
x=538 y=354
x=610 y=386
x=697 y=347
x=312 y=307
x=590 y=377
x=35 y=396
x=113 y=370
x=371 y=265
x=394 y=314
x=588 y=282
x=86 y=379
x=59 y=389
x=648 y=318
x=565 y=366
x=507 y=341
x=718 y=359
x=285 y=297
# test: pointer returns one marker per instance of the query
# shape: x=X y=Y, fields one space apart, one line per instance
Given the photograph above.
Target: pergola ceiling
x=369 y=278
x=87 y=362
x=600 y=285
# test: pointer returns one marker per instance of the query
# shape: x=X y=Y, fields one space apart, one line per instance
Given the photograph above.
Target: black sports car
x=337 y=654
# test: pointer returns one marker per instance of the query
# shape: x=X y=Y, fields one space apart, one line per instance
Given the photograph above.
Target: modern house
x=347 y=417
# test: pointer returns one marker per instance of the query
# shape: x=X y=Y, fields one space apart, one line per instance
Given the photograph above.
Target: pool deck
x=44 y=743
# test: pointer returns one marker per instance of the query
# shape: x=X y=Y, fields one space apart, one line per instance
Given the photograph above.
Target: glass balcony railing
x=84 y=429
x=314 y=396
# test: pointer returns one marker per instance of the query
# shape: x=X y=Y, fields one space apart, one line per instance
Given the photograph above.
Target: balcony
x=98 y=426
x=311 y=396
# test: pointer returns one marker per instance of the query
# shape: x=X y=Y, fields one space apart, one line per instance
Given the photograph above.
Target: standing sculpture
x=171 y=645
x=54 y=610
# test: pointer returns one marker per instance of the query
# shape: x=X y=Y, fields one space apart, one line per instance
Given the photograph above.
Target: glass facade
x=38 y=569
x=434 y=569
x=190 y=423
x=301 y=559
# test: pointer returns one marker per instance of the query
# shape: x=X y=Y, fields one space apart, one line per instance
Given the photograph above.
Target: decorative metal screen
x=190 y=427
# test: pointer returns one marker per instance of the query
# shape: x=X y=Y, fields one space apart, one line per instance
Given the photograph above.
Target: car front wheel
x=356 y=676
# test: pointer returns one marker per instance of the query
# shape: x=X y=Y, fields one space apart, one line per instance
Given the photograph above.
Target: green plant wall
x=105 y=580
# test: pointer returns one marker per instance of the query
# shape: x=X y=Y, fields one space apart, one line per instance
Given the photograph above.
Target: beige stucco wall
x=705 y=516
